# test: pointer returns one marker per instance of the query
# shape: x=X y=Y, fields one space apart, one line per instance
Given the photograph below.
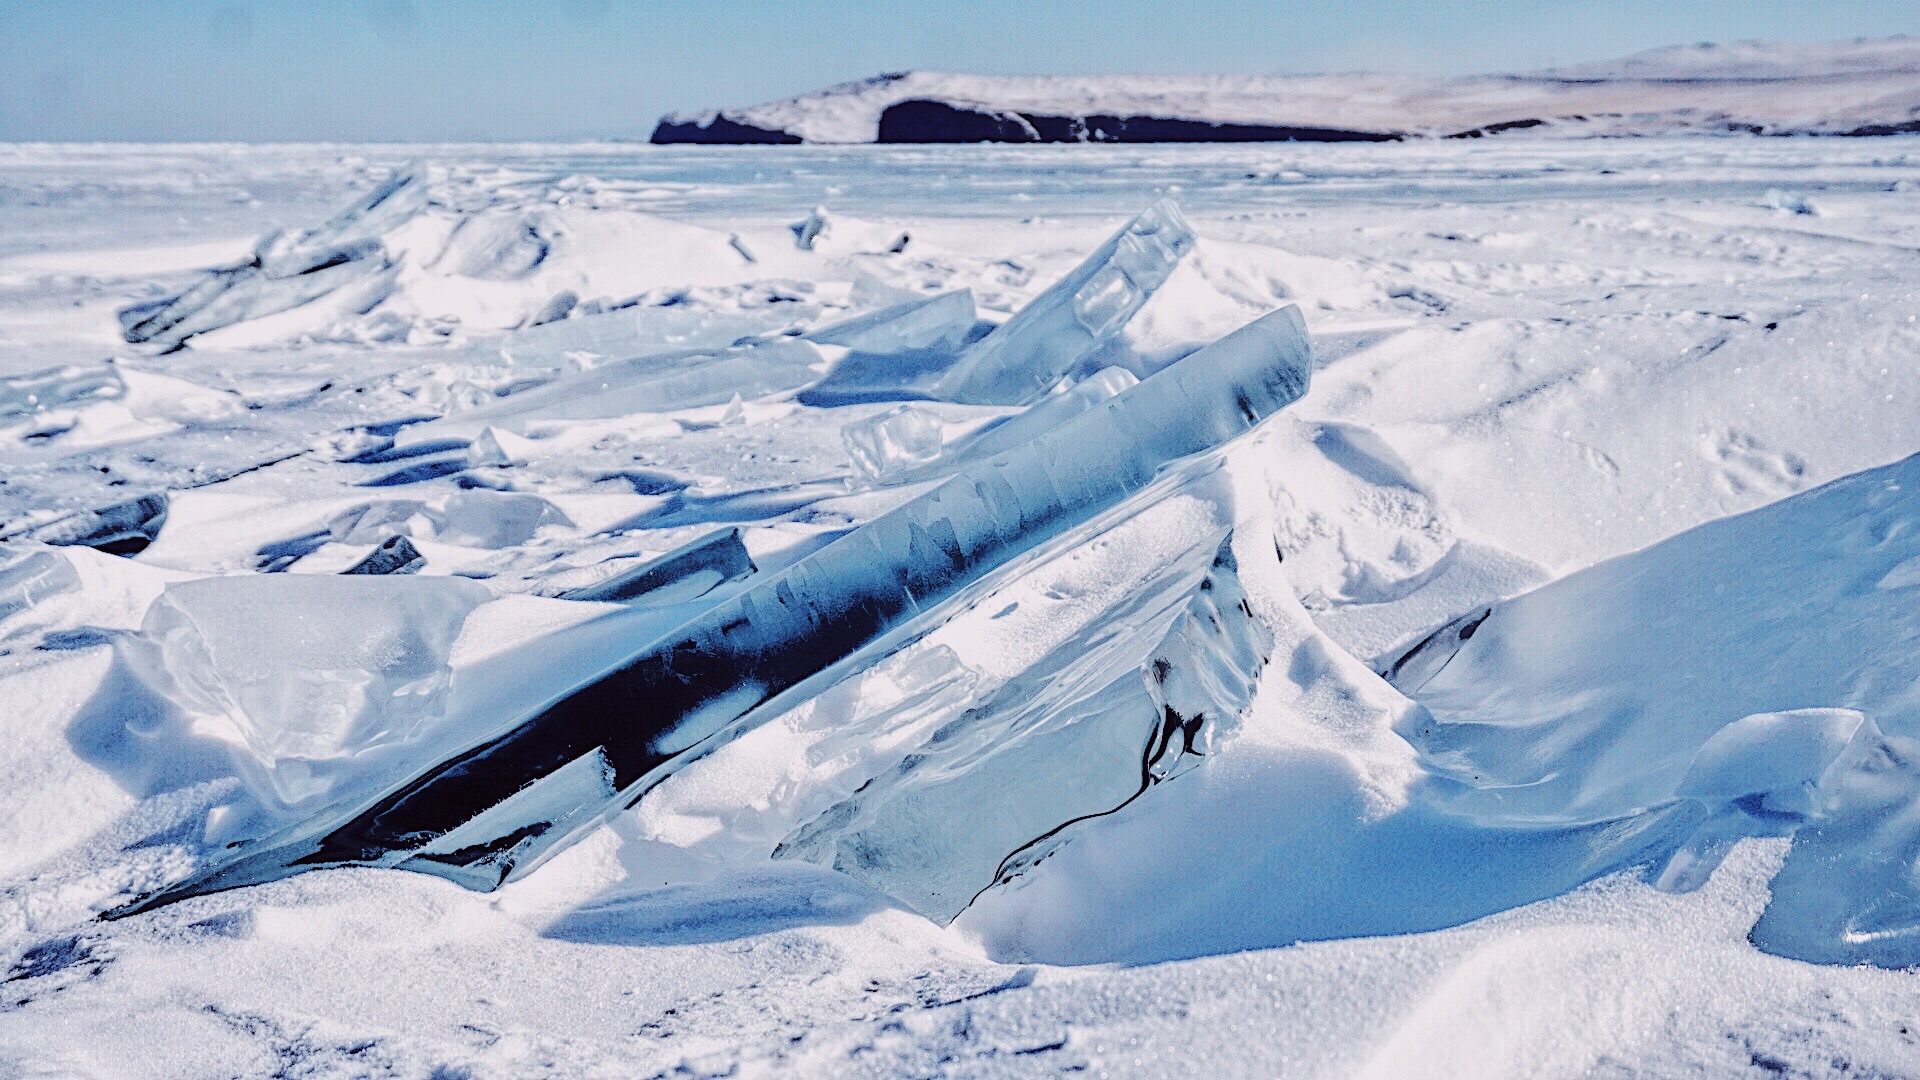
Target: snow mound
x=1752 y=677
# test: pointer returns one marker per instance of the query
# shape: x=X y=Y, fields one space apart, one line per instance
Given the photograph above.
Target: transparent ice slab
x=648 y=384
x=685 y=573
x=300 y=675
x=682 y=695
x=1138 y=695
x=626 y=333
x=941 y=321
x=1081 y=312
x=893 y=442
x=895 y=352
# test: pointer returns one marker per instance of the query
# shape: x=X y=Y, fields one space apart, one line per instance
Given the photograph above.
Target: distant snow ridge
x=1846 y=88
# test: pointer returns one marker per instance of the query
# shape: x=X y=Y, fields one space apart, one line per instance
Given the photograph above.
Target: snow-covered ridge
x=1857 y=87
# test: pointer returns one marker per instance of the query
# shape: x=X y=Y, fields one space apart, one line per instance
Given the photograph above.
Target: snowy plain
x=1604 y=831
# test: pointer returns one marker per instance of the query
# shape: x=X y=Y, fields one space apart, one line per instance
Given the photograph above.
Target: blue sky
x=438 y=69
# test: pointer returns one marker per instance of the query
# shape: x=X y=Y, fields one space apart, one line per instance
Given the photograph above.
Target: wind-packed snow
x=1837 y=87
x=1535 y=695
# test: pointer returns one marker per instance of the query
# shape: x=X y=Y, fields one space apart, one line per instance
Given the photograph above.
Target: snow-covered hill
x=1842 y=88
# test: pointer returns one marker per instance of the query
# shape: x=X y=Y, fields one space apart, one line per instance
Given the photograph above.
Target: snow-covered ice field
x=1538 y=694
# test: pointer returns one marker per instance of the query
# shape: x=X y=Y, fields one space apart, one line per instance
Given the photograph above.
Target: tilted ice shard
x=685 y=573
x=629 y=332
x=1025 y=426
x=121 y=529
x=659 y=383
x=1076 y=316
x=54 y=388
x=817 y=225
x=285 y=270
x=894 y=351
x=939 y=321
x=728 y=669
x=1137 y=695
x=395 y=555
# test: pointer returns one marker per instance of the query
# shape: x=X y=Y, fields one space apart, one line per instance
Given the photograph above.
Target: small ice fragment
x=395 y=555
x=684 y=573
x=285 y=270
x=495 y=447
x=1788 y=202
x=893 y=441
x=555 y=309
x=27 y=579
x=1766 y=753
x=817 y=225
x=736 y=412
x=1081 y=312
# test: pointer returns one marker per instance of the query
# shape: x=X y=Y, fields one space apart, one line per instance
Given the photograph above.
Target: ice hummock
x=287 y=269
x=303 y=676
x=731 y=667
x=1075 y=317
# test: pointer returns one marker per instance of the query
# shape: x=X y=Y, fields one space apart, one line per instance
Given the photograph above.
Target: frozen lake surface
x=1502 y=663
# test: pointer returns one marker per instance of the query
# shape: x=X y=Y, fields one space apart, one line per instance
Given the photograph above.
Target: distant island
x=1856 y=88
